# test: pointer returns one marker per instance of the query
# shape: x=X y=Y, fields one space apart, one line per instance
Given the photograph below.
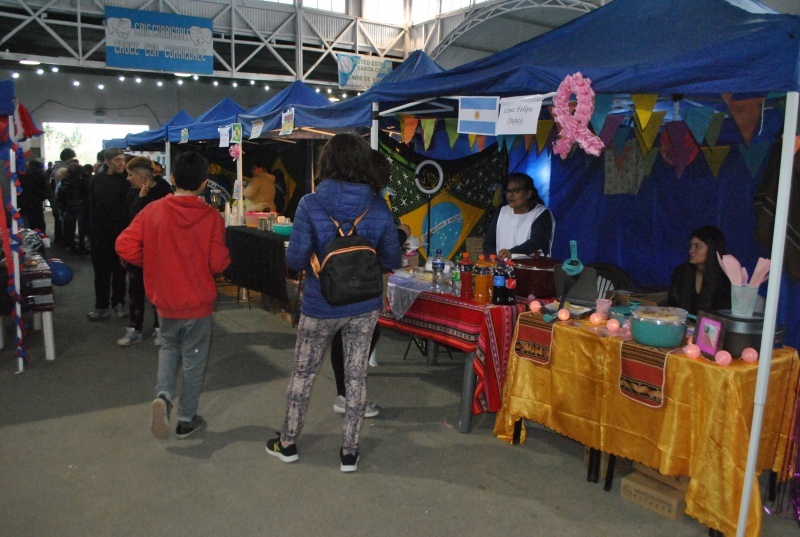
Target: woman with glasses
x=524 y=226
x=700 y=284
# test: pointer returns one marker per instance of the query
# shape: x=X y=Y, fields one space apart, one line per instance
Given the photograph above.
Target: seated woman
x=524 y=226
x=700 y=283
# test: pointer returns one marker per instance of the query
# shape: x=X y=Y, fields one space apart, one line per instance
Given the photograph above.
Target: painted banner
x=158 y=41
x=359 y=73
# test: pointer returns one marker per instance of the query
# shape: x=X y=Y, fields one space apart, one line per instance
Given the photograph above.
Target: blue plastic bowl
x=282 y=229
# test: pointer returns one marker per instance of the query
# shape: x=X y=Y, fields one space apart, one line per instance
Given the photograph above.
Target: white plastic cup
x=602 y=306
x=743 y=300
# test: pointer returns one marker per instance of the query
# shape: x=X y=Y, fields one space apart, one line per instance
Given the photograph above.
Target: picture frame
x=708 y=335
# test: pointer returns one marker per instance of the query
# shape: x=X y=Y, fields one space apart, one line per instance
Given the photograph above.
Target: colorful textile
x=641 y=373
x=483 y=328
x=533 y=339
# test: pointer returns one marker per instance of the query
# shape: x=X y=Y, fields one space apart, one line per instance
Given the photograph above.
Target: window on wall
x=423 y=10
x=389 y=11
x=291 y=2
x=452 y=5
x=337 y=6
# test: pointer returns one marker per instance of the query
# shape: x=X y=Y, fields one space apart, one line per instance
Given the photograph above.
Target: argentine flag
x=477 y=115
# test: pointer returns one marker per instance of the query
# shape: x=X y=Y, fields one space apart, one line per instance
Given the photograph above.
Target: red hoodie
x=179 y=241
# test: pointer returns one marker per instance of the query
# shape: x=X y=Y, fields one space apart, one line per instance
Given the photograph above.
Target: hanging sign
x=236 y=133
x=287 y=122
x=519 y=115
x=184 y=136
x=360 y=73
x=224 y=136
x=158 y=41
x=255 y=128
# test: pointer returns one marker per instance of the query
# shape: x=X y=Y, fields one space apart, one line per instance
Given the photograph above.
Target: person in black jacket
x=108 y=192
x=35 y=191
x=144 y=189
x=72 y=199
x=700 y=283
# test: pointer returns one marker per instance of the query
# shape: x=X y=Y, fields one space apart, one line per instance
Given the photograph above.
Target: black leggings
x=337 y=357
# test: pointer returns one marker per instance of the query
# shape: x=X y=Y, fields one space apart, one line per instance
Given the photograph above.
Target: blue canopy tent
x=159 y=135
x=350 y=113
x=206 y=125
x=667 y=47
x=297 y=94
x=120 y=143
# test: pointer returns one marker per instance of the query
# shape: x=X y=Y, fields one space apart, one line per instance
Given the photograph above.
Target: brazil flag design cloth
x=458 y=209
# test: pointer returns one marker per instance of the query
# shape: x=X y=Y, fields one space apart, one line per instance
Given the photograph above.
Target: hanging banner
x=158 y=41
x=224 y=136
x=236 y=133
x=287 y=122
x=184 y=136
x=519 y=115
x=255 y=128
x=359 y=73
x=477 y=115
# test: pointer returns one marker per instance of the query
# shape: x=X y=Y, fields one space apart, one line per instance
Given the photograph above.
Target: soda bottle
x=499 y=293
x=482 y=281
x=456 y=289
x=511 y=284
x=465 y=267
x=437 y=284
x=492 y=263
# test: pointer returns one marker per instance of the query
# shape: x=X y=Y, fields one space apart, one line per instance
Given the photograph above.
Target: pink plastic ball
x=596 y=318
x=723 y=358
x=535 y=306
x=563 y=314
x=749 y=354
x=691 y=350
x=612 y=325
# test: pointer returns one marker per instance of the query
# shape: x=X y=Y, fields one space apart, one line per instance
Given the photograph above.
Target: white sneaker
x=120 y=311
x=99 y=314
x=131 y=336
x=370 y=411
x=157 y=336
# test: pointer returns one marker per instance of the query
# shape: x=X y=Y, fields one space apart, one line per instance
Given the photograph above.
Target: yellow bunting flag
x=543 y=129
x=471 y=138
x=643 y=104
x=528 y=140
x=408 y=126
x=715 y=156
x=714 y=128
x=428 y=126
x=451 y=126
x=747 y=115
x=647 y=136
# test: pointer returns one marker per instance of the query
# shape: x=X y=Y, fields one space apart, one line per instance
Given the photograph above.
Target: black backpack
x=350 y=272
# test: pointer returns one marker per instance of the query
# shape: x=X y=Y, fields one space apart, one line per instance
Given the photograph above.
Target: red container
x=537 y=276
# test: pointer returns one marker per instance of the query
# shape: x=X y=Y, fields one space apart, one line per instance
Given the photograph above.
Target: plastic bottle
x=483 y=281
x=456 y=289
x=499 y=293
x=511 y=284
x=465 y=267
x=437 y=284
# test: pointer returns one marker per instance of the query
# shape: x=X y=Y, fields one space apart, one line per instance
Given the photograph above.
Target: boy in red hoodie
x=179 y=235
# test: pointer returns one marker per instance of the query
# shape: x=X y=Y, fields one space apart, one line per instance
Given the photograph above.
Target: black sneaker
x=185 y=429
x=276 y=449
x=159 y=422
x=349 y=462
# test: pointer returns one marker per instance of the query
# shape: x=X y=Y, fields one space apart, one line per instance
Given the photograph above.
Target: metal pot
x=658 y=326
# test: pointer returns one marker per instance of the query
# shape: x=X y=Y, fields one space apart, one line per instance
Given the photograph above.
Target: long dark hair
x=527 y=183
x=346 y=157
x=713 y=276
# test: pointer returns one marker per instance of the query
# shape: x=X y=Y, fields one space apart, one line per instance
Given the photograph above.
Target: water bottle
x=437 y=284
x=511 y=284
x=456 y=289
x=499 y=294
x=465 y=267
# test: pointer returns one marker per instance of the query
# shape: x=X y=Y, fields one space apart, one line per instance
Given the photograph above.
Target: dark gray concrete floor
x=78 y=457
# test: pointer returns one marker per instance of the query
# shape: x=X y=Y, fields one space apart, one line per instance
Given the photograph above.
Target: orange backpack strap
x=315 y=260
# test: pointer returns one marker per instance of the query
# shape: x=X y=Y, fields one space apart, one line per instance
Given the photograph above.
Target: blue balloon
x=60 y=273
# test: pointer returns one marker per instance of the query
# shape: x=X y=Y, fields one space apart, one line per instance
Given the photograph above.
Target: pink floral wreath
x=574 y=128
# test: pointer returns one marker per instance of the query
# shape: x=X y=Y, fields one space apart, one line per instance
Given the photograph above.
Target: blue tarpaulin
x=205 y=126
x=158 y=135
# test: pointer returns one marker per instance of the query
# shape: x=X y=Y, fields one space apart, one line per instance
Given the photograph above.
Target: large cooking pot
x=658 y=326
x=536 y=275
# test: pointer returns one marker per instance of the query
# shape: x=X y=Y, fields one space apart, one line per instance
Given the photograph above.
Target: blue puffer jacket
x=313 y=230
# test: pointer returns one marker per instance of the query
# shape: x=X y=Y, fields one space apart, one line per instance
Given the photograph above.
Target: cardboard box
x=653 y=495
x=474 y=247
x=678 y=482
x=644 y=299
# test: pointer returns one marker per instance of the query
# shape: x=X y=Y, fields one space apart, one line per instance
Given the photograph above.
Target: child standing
x=174 y=236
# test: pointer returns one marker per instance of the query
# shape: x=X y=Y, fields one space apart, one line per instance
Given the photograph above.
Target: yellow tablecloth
x=701 y=431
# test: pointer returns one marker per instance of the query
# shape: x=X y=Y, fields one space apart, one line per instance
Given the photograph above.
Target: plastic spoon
x=733 y=269
x=760 y=273
x=744 y=276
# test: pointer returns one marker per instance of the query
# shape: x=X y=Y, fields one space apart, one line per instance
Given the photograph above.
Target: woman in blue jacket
x=346 y=189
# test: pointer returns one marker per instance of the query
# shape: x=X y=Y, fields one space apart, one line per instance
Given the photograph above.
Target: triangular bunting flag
x=650 y=160
x=408 y=125
x=451 y=126
x=796 y=143
x=509 y=142
x=501 y=141
x=610 y=127
x=623 y=177
x=647 y=136
x=747 y=115
x=543 y=129
x=481 y=139
x=428 y=127
x=643 y=105
x=528 y=140
x=623 y=155
x=678 y=147
x=714 y=128
x=602 y=106
x=715 y=156
x=471 y=138
x=620 y=139
x=697 y=118
x=753 y=156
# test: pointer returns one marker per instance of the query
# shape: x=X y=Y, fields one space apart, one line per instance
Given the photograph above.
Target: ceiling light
x=40 y=71
x=180 y=82
x=266 y=88
x=54 y=69
x=235 y=84
x=344 y=96
x=252 y=82
x=14 y=75
x=100 y=86
x=216 y=83
x=333 y=99
x=29 y=62
x=184 y=75
x=329 y=90
x=317 y=90
x=76 y=83
x=122 y=79
x=159 y=83
x=138 y=80
x=195 y=77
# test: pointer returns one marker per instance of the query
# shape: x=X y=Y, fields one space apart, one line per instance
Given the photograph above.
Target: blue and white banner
x=359 y=73
x=477 y=115
x=158 y=41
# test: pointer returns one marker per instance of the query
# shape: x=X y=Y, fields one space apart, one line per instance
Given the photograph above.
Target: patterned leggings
x=313 y=337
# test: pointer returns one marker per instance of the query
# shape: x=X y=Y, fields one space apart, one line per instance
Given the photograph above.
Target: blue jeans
x=186 y=340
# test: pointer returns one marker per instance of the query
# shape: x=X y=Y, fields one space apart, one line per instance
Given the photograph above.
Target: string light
x=235 y=84
x=216 y=83
x=330 y=90
x=180 y=82
x=40 y=71
x=138 y=80
x=195 y=77
x=54 y=69
x=15 y=75
x=317 y=90
x=252 y=82
x=100 y=86
x=122 y=79
x=76 y=83
x=159 y=83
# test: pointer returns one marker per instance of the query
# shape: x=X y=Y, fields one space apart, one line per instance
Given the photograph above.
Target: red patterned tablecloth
x=485 y=329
